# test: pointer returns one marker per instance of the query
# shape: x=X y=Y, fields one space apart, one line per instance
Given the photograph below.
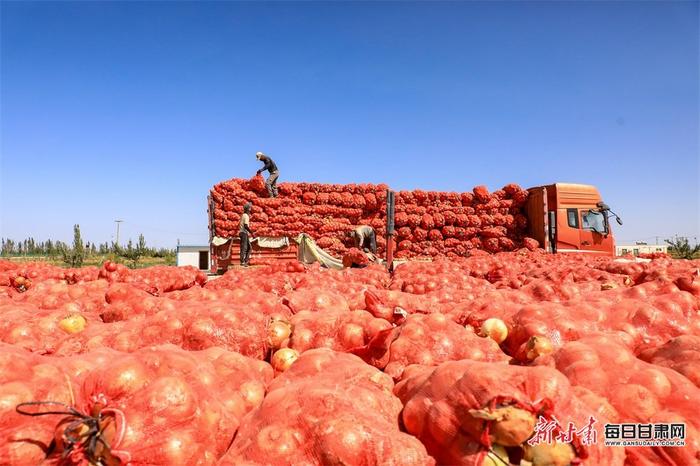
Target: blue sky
x=133 y=110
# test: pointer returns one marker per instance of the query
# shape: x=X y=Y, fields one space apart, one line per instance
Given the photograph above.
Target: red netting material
x=428 y=340
x=160 y=405
x=444 y=408
x=647 y=309
x=638 y=392
x=337 y=330
x=682 y=354
x=328 y=408
x=427 y=223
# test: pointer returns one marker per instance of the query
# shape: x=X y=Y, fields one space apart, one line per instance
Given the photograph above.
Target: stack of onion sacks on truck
x=427 y=223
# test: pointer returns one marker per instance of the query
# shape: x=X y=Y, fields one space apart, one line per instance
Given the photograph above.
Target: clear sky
x=133 y=110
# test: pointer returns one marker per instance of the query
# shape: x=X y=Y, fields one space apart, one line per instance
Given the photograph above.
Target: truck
x=570 y=218
x=564 y=218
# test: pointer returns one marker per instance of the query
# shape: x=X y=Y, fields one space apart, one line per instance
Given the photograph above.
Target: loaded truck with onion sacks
x=559 y=218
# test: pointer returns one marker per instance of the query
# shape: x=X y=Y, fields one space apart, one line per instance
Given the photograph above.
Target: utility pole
x=117 y=222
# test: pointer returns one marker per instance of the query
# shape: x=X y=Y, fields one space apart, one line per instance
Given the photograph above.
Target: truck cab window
x=595 y=221
x=572 y=217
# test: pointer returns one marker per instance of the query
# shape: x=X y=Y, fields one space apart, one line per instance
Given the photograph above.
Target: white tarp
x=219 y=241
x=309 y=252
x=271 y=242
x=262 y=241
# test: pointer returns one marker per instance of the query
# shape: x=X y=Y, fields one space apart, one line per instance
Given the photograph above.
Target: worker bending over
x=364 y=238
x=271 y=167
x=244 y=233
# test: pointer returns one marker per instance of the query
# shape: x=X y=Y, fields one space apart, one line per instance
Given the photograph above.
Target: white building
x=637 y=249
x=197 y=256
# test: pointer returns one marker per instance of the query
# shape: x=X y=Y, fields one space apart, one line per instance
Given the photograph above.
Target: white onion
x=283 y=359
x=74 y=323
x=495 y=329
x=278 y=331
x=556 y=454
x=538 y=346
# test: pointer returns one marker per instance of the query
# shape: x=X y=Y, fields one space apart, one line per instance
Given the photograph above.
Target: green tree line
x=73 y=253
x=681 y=248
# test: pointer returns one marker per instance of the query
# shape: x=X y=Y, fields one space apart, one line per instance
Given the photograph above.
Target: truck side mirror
x=619 y=220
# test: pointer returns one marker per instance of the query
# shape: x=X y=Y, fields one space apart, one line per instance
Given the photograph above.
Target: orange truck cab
x=570 y=218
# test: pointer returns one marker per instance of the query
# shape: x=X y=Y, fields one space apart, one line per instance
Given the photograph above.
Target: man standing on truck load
x=244 y=233
x=271 y=167
x=364 y=238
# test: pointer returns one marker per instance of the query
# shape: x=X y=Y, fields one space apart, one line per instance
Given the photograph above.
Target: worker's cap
x=259 y=154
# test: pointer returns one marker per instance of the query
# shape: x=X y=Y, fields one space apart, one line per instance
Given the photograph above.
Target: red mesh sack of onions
x=156 y=280
x=338 y=330
x=637 y=391
x=475 y=413
x=355 y=257
x=481 y=194
x=682 y=354
x=26 y=377
x=315 y=300
x=427 y=339
x=643 y=323
x=257 y=185
x=42 y=331
x=22 y=276
x=160 y=406
x=328 y=408
x=85 y=297
x=189 y=325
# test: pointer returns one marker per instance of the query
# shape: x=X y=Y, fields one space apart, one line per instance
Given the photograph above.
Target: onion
x=283 y=359
x=635 y=399
x=513 y=426
x=538 y=346
x=556 y=454
x=495 y=329
x=277 y=332
x=12 y=394
x=352 y=335
x=279 y=440
x=497 y=456
x=376 y=325
x=654 y=380
x=510 y=426
x=436 y=320
x=177 y=447
x=413 y=331
x=302 y=339
x=343 y=441
x=171 y=397
x=125 y=377
x=74 y=323
x=23 y=450
x=252 y=393
x=18 y=333
x=424 y=357
x=47 y=371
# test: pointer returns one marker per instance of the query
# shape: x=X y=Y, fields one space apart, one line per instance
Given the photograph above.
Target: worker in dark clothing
x=364 y=238
x=271 y=167
x=244 y=233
